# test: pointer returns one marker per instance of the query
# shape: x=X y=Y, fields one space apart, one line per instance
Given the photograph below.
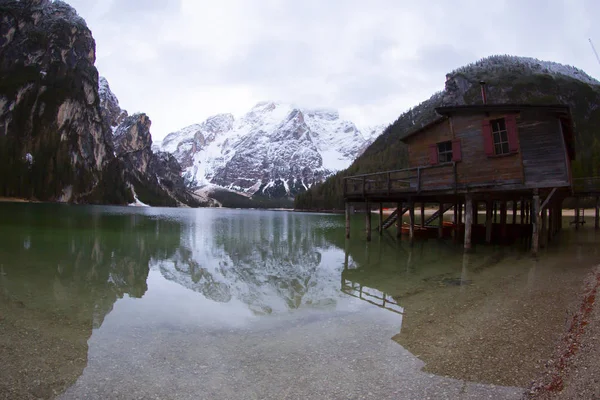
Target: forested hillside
x=509 y=80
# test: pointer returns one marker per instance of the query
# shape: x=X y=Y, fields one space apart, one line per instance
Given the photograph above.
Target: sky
x=181 y=61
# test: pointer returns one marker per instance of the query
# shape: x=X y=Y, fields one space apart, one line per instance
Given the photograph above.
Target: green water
x=109 y=302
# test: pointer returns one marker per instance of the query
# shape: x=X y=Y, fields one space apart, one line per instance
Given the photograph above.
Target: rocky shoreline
x=574 y=372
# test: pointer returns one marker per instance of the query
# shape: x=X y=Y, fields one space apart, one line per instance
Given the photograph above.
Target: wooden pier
x=486 y=157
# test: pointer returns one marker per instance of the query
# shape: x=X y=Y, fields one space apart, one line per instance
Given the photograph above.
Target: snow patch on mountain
x=274 y=149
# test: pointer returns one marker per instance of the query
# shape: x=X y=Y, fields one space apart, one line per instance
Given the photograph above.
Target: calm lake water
x=137 y=303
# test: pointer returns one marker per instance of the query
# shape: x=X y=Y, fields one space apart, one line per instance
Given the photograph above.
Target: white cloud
x=182 y=61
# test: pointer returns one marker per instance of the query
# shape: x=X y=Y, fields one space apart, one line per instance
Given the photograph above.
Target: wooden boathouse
x=493 y=156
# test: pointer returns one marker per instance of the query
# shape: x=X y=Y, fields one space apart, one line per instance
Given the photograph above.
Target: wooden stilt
x=441 y=221
x=380 y=219
x=348 y=220
x=460 y=210
x=455 y=221
x=422 y=215
x=551 y=216
x=503 y=218
x=488 y=221
x=411 y=221
x=368 y=220
x=535 y=237
x=399 y=221
x=468 y=220
x=495 y=212
x=544 y=227
x=475 y=213
x=597 y=217
x=577 y=213
x=514 y=212
x=522 y=210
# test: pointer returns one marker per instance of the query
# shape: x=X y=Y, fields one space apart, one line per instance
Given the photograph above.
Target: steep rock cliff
x=54 y=144
x=155 y=177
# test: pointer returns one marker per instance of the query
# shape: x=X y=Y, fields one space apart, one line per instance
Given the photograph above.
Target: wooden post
x=535 y=235
x=503 y=218
x=380 y=219
x=368 y=220
x=455 y=220
x=550 y=223
x=475 y=213
x=411 y=221
x=597 y=217
x=522 y=210
x=515 y=211
x=468 y=220
x=495 y=212
x=460 y=211
x=488 y=221
x=544 y=223
x=441 y=221
x=577 y=213
x=399 y=221
x=422 y=215
x=347 y=220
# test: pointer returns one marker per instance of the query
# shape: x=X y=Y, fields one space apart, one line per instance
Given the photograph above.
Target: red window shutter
x=433 y=154
x=511 y=130
x=456 y=150
x=488 y=141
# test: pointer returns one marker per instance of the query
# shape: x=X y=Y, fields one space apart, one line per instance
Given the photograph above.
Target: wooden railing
x=370 y=295
x=435 y=177
x=587 y=185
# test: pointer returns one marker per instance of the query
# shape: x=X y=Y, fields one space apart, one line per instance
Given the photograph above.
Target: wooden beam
x=535 y=235
x=514 y=212
x=545 y=203
x=422 y=215
x=348 y=220
x=522 y=210
x=488 y=221
x=468 y=220
x=368 y=220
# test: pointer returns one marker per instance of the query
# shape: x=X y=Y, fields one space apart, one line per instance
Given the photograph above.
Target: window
x=500 y=136
x=444 y=152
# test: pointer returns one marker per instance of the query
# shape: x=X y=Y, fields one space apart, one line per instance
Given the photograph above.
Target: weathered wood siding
x=545 y=160
x=418 y=145
x=476 y=168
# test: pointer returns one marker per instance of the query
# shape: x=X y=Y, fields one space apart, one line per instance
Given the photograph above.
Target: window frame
x=500 y=136
x=447 y=153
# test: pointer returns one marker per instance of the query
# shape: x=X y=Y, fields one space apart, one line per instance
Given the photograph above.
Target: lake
x=143 y=303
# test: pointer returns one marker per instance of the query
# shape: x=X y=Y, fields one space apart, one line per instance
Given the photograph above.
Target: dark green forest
x=508 y=81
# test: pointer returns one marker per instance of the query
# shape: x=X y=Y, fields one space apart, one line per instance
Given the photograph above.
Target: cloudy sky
x=181 y=61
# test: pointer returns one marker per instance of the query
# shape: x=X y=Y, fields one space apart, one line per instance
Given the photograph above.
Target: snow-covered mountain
x=275 y=149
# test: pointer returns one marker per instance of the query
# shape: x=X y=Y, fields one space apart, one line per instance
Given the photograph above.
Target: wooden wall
x=545 y=161
x=541 y=160
x=476 y=168
x=418 y=145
